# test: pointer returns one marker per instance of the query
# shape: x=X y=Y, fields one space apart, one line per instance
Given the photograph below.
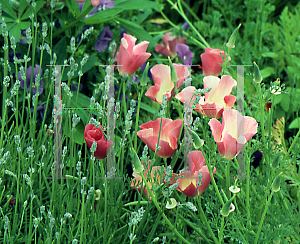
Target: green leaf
x=6 y=7
x=78 y=133
x=293 y=71
x=267 y=72
x=148 y=108
x=269 y=55
x=295 y=124
x=90 y=64
x=102 y=16
x=60 y=49
x=137 y=31
x=133 y=4
x=23 y=5
x=24 y=25
x=39 y=5
x=9 y=20
x=15 y=32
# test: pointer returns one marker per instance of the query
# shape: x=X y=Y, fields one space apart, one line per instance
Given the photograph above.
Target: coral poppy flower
x=211 y=61
x=168 y=137
x=214 y=102
x=163 y=85
x=131 y=56
x=93 y=133
x=153 y=181
x=170 y=43
x=188 y=184
x=233 y=133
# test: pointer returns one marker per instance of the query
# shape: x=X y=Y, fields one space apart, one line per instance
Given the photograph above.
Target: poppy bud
x=232 y=38
x=228 y=207
x=257 y=76
x=145 y=77
x=276 y=183
x=174 y=77
x=275 y=162
x=138 y=167
x=197 y=141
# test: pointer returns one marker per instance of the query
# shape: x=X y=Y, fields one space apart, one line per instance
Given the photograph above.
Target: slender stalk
x=221 y=231
x=262 y=118
x=206 y=222
x=153 y=197
x=195 y=41
x=263 y=217
x=137 y=117
x=181 y=12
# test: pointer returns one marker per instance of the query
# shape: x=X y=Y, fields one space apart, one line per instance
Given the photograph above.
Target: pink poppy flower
x=233 y=133
x=163 y=85
x=153 y=181
x=214 y=102
x=94 y=3
x=188 y=184
x=170 y=43
x=211 y=61
x=170 y=131
x=93 y=133
x=131 y=56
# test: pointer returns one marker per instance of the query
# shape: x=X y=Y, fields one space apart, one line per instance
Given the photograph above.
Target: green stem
x=221 y=231
x=262 y=119
x=206 y=222
x=137 y=117
x=181 y=12
x=263 y=217
x=192 y=39
x=191 y=11
x=164 y=216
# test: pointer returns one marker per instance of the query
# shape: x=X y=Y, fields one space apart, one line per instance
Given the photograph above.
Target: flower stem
x=206 y=222
x=137 y=117
x=263 y=217
x=221 y=231
x=262 y=119
x=153 y=197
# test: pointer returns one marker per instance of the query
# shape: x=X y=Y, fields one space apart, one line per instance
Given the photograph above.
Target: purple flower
x=103 y=5
x=185 y=26
x=103 y=39
x=184 y=53
x=40 y=112
x=28 y=77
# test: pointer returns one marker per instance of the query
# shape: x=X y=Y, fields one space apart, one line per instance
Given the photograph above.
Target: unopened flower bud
x=198 y=142
x=232 y=38
x=145 y=77
x=174 y=77
x=275 y=162
x=228 y=207
x=276 y=183
x=257 y=76
x=138 y=167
